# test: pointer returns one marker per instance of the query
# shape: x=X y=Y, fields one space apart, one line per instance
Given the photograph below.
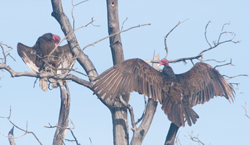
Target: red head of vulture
x=177 y=93
x=37 y=58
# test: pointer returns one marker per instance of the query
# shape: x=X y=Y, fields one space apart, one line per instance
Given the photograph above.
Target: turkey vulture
x=38 y=60
x=177 y=93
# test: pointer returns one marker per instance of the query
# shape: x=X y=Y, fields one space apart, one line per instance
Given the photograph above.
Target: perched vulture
x=37 y=58
x=177 y=93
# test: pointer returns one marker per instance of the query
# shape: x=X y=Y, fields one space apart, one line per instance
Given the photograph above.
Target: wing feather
x=65 y=59
x=136 y=75
x=28 y=56
x=202 y=83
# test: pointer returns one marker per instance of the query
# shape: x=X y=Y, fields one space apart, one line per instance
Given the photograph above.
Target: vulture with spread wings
x=39 y=59
x=177 y=93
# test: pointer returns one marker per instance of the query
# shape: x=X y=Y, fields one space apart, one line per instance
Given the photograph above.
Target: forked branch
x=24 y=130
x=140 y=25
x=195 y=139
x=46 y=75
x=165 y=38
x=200 y=55
x=128 y=106
x=6 y=53
x=244 y=107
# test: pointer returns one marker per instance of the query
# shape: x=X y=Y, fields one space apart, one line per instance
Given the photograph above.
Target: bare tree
x=118 y=107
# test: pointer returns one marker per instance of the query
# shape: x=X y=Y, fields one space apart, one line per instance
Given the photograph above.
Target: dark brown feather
x=35 y=57
x=202 y=83
x=176 y=93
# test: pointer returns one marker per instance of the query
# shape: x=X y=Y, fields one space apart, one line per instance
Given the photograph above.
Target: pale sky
x=220 y=122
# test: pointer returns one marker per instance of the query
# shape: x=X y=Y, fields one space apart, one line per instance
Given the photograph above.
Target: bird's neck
x=167 y=70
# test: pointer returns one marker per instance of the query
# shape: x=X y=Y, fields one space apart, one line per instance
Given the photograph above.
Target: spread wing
x=128 y=76
x=62 y=59
x=202 y=83
x=136 y=75
x=28 y=55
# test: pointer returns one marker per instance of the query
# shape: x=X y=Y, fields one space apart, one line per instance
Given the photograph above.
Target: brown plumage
x=37 y=59
x=176 y=93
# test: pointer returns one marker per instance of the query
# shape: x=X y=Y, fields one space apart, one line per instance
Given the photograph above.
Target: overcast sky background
x=220 y=122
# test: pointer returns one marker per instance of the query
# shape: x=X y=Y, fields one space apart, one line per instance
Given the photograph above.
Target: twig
x=195 y=139
x=72 y=11
x=244 y=107
x=222 y=32
x=72 y=133
x=177 y=140
x=130 y=111
x=124 y=23
x=5 y=53
x=56 y=126
x=229 y=63
x=236 y=88
x=206 y=34
x=90 y=141
x=114 y=34
x=54 y=68
x=25 y=131
x=143 y=114
x=92 y=20
x=4 y=59
x=200 y=55
x=218 y=41
x=185 y=59
x=165 y=38
x=240 y=75
x=218 y=61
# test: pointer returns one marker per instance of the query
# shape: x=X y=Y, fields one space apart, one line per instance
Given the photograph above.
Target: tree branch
x=218 y=40
x=195 y=139
x=143 y=114
x=72 y=11
x=25 y=131
x=11 y=137
x=240 y=75
x=5 y=53
x=111 y=35
x=200 y=55
x=128 y=106
x=46 y=75
x=63 y=20
x=63 y=115
x=165 y=38
x=229 y=63
x=244 y=107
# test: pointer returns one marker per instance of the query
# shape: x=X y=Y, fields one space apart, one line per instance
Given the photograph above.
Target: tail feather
x=43 y=83
x=179 y=112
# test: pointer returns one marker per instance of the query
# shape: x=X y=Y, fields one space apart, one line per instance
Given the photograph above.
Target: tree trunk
x=11 y=137
x=63 y=20
x=120 y=124
x=119 y=112
x=63 y=115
